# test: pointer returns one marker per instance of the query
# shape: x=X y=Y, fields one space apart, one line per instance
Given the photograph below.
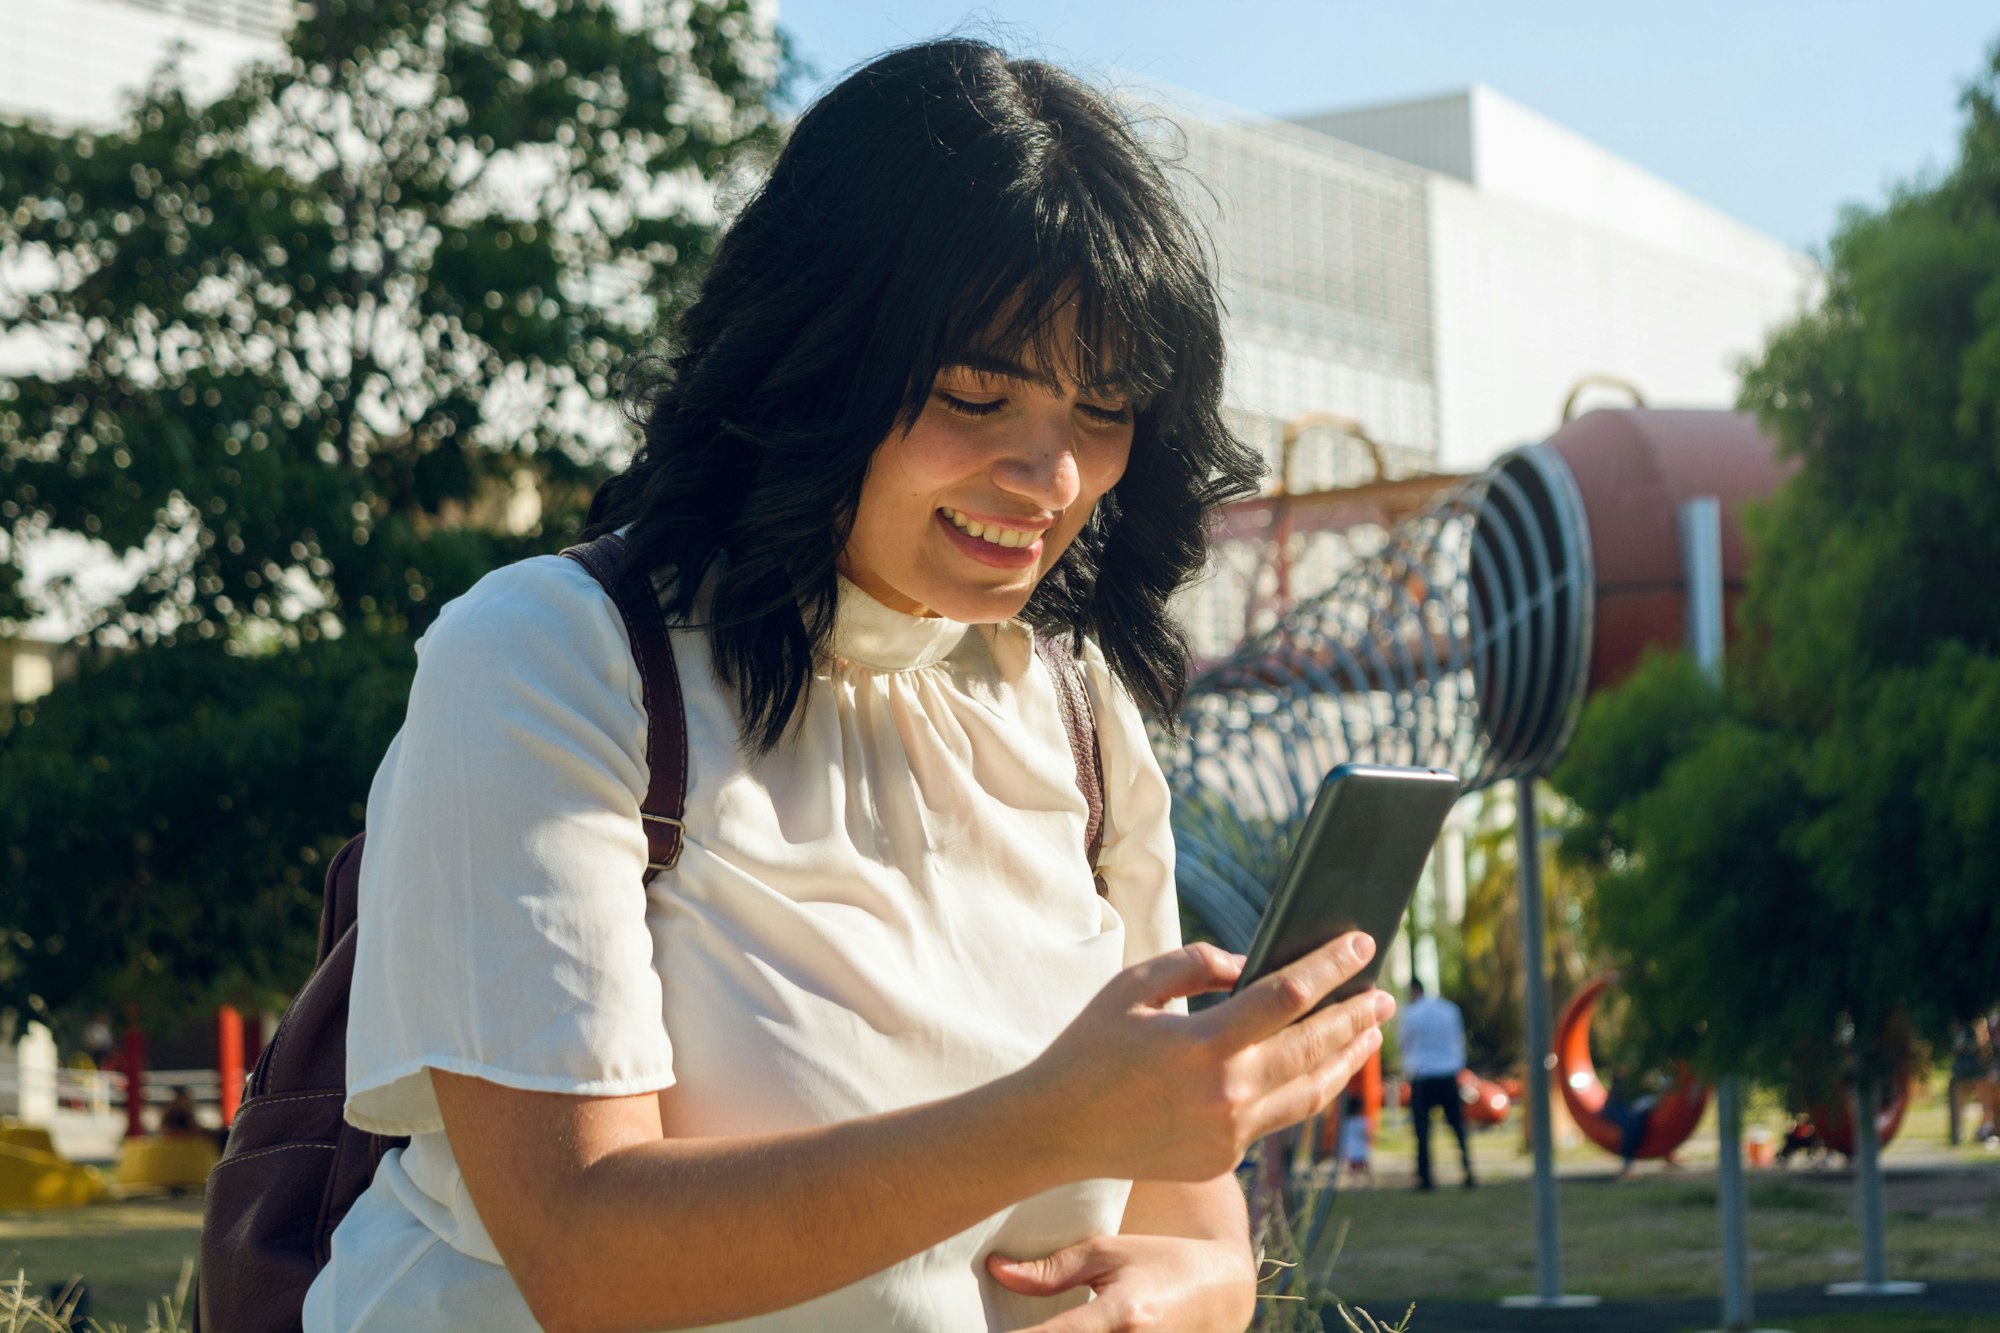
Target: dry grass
x=131 y=1254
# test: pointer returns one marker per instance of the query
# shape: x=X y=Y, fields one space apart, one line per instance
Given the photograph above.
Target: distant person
x=1432 y=1038
x=178 y=1117
x=1356 y=1142
x=1989 y=1087
x=1631 y=1109
x=99 y=1041
x=1968 y=1072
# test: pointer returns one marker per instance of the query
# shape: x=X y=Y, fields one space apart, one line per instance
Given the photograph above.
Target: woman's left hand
x=1142 y=1282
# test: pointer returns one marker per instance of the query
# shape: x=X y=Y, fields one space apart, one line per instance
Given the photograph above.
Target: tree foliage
x=1811 y=851
x=309 y=359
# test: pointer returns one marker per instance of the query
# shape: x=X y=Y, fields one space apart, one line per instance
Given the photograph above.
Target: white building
x=74 y=61
x=1551 y=258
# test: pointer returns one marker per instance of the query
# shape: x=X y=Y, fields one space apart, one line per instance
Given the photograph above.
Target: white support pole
x=1541 y=1064
x=1868 y=1184
x=1701 y=560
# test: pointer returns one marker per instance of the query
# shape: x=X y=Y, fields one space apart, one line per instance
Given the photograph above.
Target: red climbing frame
x=1674 y=1117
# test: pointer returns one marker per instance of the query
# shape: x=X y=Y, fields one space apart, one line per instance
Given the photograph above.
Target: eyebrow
x=987 y=363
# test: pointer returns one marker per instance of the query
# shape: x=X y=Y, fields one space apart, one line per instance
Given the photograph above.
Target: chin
x=971 y=606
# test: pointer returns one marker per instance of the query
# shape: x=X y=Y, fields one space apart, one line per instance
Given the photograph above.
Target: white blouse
x=891 y=907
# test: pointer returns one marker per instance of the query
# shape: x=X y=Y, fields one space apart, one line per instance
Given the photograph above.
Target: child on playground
x=1356 y=1140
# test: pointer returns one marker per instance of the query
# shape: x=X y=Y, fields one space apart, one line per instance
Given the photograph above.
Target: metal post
x=1874 y=1266
x=1868 y=1168
x=1729 y=1194
x=1541 y=1061
x=1701 y=560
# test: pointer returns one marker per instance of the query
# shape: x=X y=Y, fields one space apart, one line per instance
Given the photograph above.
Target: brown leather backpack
x=293 y=1166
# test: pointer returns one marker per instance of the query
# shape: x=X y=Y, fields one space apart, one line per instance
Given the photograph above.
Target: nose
x=1039 y=463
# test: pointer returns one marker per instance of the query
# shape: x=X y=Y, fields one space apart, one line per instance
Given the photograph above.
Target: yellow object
x=25 y=1136
x=31 y=1178
x=167 y=1161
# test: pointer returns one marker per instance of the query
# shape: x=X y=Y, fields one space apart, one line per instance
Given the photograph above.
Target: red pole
x=135 y=1074
x=229 y=1060
x=1371 y=1091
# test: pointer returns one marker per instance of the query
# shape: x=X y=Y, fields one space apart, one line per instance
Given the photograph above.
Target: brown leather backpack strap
x=660 y=687
x=1073 y=696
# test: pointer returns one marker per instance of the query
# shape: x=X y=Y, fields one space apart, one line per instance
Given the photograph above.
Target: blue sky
x=1778 y=112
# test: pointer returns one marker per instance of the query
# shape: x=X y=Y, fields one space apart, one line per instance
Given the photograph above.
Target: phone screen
x=1355 y=866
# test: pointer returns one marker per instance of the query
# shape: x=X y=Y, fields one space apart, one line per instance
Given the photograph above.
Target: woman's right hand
x=1134 y=1091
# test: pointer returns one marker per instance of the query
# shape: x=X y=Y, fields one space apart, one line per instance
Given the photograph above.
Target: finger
x=1310 y=1094
x=1100 y=1316
x=1287 y=995
x=1086 y=1261
x=1320 y=1037
x=1193 y=970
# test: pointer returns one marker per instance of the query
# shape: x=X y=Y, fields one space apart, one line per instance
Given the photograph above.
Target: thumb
x=1083 y=1262
x=1192 y=970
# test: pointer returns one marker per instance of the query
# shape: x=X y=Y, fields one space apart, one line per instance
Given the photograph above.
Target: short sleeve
x=502 y=914
x=1137 y=858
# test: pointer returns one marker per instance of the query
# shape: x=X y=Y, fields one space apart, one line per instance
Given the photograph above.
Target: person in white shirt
x=1431 y=1036
x=876 y=1052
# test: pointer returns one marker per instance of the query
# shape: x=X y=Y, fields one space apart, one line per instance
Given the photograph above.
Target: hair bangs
x=1003 y=267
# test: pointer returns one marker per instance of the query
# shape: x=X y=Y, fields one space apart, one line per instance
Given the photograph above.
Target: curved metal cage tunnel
x=1463 y=643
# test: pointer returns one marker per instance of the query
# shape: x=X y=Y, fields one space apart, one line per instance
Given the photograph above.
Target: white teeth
x=997 y=536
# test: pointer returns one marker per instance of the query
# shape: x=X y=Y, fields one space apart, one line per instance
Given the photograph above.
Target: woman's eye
x=1110 y=416
x=966 y=407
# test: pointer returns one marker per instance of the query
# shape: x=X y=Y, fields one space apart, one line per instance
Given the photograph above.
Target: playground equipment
x=171 y=1162
x=1836 y=1123
x=1673 y=1117
x=1467 y=639
x=34 y=1175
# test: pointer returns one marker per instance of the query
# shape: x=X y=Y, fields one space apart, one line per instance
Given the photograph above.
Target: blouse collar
x=871 y=635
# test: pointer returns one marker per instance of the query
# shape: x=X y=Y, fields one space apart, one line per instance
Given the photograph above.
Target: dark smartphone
x=1354 y=867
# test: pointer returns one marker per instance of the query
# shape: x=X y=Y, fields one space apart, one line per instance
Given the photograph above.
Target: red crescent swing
x=1674 y=1116
x=1836 y=1123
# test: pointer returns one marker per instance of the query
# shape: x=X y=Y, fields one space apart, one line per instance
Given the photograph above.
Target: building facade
x=75 y=61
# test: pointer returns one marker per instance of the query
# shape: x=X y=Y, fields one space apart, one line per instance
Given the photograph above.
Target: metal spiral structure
x=1462 y=643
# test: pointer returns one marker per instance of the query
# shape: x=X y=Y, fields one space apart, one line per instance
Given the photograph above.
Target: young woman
x=875 y=1053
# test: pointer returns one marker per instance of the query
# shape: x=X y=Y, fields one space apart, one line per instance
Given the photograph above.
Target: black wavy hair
x=941 y=202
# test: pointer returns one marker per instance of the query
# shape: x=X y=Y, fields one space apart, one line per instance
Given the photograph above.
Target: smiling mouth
x=992 y=534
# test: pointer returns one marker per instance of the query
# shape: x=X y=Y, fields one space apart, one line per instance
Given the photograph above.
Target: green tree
x=1799 y=869
x=310 y=358
x=1480 y=957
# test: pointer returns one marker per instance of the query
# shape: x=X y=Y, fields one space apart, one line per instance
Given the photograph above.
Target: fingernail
x=1372 y=1038
x=1363 y=946
x=1384 y=1005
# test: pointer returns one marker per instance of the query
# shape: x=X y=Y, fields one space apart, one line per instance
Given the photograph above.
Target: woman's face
x=962 y=514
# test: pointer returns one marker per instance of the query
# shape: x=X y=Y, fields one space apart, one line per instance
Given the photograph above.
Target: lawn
x=1656 y=1237
x=129 y=1253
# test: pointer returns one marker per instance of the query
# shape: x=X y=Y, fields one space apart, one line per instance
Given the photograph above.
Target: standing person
x=1431 y=1036
x=1967 y=1072
x=1989 y=1087
x=875 y=1051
